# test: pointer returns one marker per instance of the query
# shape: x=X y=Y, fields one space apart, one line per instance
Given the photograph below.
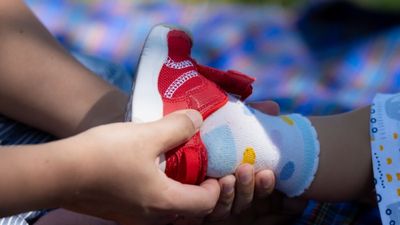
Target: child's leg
x=288 y=144
x=345 y=164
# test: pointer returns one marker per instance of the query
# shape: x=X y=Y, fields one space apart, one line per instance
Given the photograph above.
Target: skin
x=345 y=141
x=52 y=81
x=43 y=86
x=339 y=135
x=25 y=42
x=96 y=172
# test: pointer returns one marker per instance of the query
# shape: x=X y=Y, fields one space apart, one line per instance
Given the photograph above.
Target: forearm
x=35 y=177
x=345 y=166
x=42 y=85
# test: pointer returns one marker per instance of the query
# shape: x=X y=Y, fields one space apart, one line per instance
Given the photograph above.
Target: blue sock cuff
x=311 y=154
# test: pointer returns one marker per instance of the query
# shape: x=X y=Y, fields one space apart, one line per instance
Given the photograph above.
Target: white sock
x=288 y=145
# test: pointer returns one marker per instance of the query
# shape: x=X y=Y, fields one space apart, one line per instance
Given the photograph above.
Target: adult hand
x=118 y=177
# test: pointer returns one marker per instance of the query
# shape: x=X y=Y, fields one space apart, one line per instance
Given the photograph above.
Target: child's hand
x=117 y=176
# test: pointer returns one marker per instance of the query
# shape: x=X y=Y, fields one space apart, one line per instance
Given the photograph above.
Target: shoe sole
x=145 y=104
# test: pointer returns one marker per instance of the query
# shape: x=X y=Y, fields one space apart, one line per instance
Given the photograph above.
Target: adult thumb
x=175 y=129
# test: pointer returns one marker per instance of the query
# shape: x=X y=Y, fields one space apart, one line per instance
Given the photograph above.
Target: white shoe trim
x=147 y=104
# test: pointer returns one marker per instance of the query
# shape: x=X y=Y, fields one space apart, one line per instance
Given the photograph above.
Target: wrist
x=73 y=172
x=65 y=171
x=84 y=167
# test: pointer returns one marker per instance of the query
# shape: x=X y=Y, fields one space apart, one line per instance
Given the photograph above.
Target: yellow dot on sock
x=398 y=176
x=395 y=135
x=287 y=120
x=398 y=191
x=249 y=156
x=372 y=138
x=381 y=147
x=389 y=177
x=389 y=161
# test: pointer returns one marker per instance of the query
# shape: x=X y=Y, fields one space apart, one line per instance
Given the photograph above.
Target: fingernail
x=227 y=189
x=195 y=117
x=245 y=178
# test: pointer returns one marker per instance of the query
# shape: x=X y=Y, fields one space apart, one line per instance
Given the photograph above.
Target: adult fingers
x=193 y=201
x=265 y=183
x=174 y=129
x=268 y=107
x=244 y=187
x=225 y=201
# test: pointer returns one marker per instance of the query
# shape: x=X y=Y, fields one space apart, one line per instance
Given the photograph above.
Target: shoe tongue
x=179 y=45
x=180 y=83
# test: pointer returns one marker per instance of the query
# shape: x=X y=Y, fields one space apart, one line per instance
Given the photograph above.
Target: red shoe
x=167 y=80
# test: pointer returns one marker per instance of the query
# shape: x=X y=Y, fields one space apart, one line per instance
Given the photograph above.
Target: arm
x=108 y=171
x=345 y=166
x=42 y=85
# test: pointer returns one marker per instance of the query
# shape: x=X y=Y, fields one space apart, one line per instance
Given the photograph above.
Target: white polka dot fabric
x=385 y=145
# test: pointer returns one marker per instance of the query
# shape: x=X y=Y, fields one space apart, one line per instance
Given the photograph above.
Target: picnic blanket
x=311 y=77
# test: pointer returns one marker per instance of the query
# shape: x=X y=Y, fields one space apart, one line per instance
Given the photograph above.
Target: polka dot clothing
x=385 y=145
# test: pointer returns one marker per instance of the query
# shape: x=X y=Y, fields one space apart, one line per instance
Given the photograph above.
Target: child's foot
x=168 y=79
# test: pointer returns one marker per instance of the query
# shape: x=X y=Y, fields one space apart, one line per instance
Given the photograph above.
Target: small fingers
x=265 y=183
x=224 y=205
x=244 y=187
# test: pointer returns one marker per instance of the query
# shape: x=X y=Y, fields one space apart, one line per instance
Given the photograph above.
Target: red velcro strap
x=192 y=164
x=188 y=163
x=231 y=81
